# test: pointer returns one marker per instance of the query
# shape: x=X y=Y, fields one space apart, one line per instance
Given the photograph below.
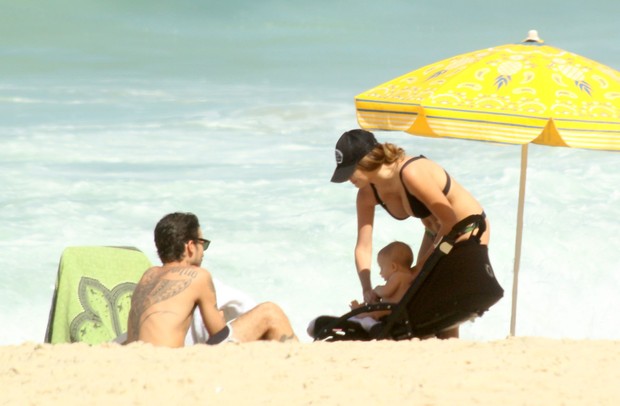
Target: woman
x=406 y=187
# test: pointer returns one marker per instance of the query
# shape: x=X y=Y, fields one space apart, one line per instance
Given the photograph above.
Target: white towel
x=231 y=301
x=366 y=322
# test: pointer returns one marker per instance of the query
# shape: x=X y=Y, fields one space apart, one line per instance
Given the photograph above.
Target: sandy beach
x=513 y=371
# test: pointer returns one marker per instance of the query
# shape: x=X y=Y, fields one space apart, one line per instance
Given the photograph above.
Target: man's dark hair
x=171 y=234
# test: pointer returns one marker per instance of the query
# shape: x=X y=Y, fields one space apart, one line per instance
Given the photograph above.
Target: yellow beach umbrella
x=516 y=93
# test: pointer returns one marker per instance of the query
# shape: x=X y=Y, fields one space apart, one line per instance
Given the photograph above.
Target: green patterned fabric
x=93 y=293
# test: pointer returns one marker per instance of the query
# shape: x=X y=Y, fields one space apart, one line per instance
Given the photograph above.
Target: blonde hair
x=385 y=153
x=399 y=252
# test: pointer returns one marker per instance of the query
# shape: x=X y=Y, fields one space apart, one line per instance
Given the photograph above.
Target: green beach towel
x=93 y=292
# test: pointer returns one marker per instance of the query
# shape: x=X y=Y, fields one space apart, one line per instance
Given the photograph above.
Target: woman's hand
x=370 y=296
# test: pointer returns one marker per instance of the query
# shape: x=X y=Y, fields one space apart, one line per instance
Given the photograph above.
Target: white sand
x=515 y=371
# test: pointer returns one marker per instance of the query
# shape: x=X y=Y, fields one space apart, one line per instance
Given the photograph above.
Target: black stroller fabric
x=456 y=284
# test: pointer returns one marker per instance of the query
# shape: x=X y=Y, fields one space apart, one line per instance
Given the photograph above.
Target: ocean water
x=113 y=114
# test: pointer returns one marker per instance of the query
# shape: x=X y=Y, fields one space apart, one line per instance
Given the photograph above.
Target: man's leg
x=264 y=322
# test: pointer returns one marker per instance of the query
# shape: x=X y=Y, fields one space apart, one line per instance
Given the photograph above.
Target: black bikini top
x=418 y=208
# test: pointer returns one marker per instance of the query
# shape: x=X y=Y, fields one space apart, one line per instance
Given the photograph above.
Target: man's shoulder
x=188 y=270
x=176 y=271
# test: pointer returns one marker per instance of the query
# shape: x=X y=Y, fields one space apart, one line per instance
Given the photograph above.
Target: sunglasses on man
x=205 y=243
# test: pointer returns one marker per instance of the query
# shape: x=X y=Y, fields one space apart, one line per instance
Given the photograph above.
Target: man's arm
x=212 y=318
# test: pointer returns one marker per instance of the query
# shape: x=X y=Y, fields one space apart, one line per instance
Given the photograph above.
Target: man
x=166 y=296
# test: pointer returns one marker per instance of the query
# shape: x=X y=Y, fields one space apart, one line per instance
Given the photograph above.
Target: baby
x=395 y=262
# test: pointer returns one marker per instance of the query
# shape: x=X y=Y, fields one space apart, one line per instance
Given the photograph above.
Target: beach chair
x=92 y=298
x=456 y=284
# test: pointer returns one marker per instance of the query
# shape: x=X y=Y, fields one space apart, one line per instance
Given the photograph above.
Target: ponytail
x=386 y=153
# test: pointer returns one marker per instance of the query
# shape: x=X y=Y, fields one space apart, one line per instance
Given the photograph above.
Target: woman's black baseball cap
x=350 y=149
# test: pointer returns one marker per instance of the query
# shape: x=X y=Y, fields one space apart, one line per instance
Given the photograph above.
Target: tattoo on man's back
x=154 y=290
x=191 y=272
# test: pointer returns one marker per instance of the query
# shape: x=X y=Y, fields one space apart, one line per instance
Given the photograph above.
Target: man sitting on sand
x=165 y=297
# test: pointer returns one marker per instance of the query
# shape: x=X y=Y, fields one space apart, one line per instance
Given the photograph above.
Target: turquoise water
x=114 y=114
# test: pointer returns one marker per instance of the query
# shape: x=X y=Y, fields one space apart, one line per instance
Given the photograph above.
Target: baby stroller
x=456 y=284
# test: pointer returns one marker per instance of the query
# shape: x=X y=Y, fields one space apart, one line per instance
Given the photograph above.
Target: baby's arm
x=375 y=315
x=387 y=291
x=355 y=304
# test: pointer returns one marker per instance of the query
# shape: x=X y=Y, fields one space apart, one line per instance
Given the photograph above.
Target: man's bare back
x=163 y=303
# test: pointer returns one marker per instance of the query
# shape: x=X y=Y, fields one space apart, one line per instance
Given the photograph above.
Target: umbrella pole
x=518 y=239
